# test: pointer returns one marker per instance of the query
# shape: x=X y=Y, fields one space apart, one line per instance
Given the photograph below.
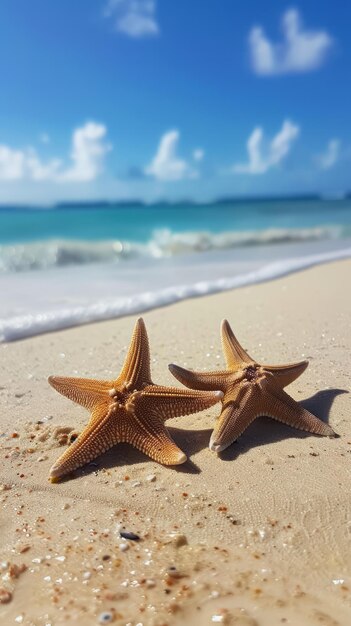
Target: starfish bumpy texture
x=250 y=390
x=129 y=409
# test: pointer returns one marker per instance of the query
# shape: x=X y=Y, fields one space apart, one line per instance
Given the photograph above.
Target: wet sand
x=257 y=536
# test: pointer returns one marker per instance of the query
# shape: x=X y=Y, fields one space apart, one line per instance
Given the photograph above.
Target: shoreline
x=62 y=302
x=266 y=523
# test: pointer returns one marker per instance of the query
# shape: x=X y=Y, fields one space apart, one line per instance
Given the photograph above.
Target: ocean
x=69 y=265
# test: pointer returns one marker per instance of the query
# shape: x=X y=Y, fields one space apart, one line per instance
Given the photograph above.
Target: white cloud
x=165 y=165
x=11 y=163
x=276 y=151
x=88 y=151
x=198 y=154
x=136 y=18
x=332 y=154
x=301 y=51
x=35 y=169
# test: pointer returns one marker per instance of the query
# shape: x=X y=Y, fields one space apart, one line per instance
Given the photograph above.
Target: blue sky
x=143 y=98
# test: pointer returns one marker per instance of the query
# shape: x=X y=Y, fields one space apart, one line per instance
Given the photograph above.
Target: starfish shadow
x=191 y=442
x=260 y=432
x=321 y=402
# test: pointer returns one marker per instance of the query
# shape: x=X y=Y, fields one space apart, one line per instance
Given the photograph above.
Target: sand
x=258 y=536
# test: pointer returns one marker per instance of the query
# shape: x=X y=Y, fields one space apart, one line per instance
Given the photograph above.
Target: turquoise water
x=139 y=223
x=65 y=267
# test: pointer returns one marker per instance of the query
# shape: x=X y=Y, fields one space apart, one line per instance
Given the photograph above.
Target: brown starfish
x=250 y=390
x=129 y=409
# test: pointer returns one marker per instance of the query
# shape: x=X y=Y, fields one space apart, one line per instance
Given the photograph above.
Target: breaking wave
x=36 y=323
x=164 y=243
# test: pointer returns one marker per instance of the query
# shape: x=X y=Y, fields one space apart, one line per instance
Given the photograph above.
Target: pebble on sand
x=5 y=595
x=105 y=618
x=128 y=535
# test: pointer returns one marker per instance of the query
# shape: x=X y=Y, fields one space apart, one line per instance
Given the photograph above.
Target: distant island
x=105 y=204
x=165 y=202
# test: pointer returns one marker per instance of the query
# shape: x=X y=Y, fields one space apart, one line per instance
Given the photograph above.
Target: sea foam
x=19 y=327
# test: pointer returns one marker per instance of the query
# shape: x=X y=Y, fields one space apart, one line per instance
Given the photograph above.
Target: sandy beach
x=257 y=536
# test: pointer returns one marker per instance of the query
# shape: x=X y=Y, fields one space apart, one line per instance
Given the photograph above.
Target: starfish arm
x=168 y=402
x=239 y=410
x=286 y=374
x=153 y=439
x=281 y=407
x=234 y=353
x=83 y=391
x=136 y=369
x=207 y=381
x=97 y=437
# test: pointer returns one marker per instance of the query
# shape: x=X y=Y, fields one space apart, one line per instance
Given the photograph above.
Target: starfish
x=250 y=390
x=129 y=409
